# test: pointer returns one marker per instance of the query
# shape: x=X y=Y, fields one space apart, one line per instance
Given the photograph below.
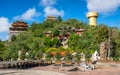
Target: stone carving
x=19 y=55
x=62 y=61
x=82 y=57
x=53 y=60
x=43 y=59
x=73 y=58
x=26 y=55
x=103 y=51
x=83 y=65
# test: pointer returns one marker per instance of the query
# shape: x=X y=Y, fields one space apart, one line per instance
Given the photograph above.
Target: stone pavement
x=101 y=69
x=28 y=72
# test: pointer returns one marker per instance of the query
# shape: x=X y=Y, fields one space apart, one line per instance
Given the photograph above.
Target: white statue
x=95 y=56
x=53 y=60
x=94 y=59
x=44 y=58
x=19 y=54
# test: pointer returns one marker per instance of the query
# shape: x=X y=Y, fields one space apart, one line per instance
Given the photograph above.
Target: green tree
x=59 y=19
x=13 y=38
x=36 y=43
x=56 y=33
x=2 y=49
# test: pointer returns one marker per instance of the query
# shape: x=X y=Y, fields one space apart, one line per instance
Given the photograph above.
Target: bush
x=116 y=58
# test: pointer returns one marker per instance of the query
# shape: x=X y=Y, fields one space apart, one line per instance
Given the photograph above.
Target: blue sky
x=37 y=10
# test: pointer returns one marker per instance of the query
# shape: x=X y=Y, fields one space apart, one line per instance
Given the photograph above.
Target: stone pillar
x=103 y=51
x=92 y=18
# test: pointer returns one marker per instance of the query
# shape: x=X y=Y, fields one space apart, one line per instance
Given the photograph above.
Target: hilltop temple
x=16 y=28
x=20 y=26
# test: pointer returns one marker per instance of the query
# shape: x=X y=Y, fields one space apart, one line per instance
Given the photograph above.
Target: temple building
x=79 y=31
x=16 y=28
x=51 y=18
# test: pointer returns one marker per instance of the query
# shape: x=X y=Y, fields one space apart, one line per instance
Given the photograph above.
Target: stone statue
x=103 y=51
x=53 y=60
x=19 y=54
x=83 y=65
x=43 y=59
x=26 y=54
x=62 y=61
x=73 y=58
x=82 y=57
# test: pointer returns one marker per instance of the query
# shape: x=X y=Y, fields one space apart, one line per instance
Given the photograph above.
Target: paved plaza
x=101 y=69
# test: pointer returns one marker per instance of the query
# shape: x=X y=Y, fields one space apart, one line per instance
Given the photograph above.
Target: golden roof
x=19 y=24
x=92 y=14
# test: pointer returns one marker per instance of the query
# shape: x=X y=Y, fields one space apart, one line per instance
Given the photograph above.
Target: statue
x=103 y=51
x=94 y=59
x=83 y=65
x=53 y=60
x=73 y=58
x=19 y=54
x=43 y=59
x=82 y=57
x=62 y=61
x=26 y=54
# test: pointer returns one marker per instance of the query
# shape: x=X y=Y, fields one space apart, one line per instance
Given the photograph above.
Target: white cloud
x=49 y=9
x=103 y=6
x=4 y=24
x=47 y=2
x=53 y=11
x=29 y=15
